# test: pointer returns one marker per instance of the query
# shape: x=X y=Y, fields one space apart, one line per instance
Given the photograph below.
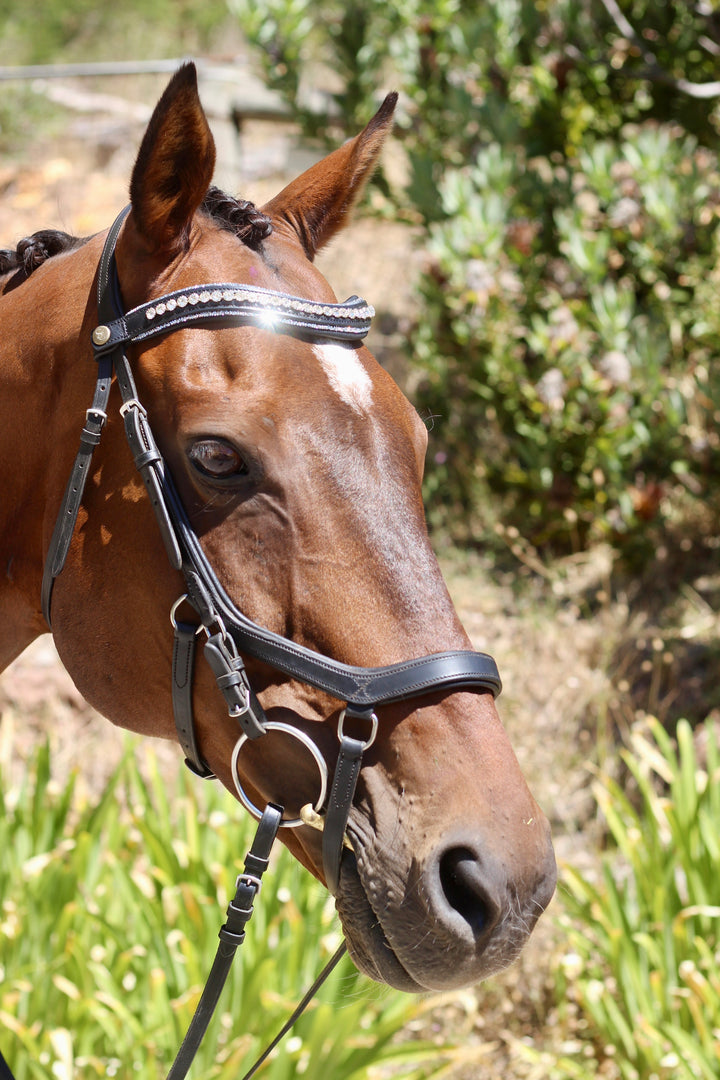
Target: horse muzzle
x=445 y=920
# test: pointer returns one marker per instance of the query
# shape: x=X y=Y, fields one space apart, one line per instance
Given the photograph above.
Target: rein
x=229 y=633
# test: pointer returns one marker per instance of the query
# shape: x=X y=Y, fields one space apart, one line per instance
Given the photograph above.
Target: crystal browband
x=268 y=302
x=349 y=321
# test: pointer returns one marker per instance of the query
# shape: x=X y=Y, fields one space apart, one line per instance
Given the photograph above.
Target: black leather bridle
x=230 y=634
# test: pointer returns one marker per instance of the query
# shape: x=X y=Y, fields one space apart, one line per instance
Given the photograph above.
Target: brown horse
x=298 y=464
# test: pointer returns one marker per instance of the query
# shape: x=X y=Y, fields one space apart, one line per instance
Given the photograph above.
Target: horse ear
x=316 y=205
x=174 y=165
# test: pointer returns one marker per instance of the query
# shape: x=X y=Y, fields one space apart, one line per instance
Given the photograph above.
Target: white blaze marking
x=346 y=375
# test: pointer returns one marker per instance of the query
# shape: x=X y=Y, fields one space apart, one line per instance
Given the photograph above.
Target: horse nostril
x=461 y=880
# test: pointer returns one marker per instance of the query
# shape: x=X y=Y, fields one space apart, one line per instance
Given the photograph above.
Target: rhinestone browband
x=261 y=298
x=349 y=321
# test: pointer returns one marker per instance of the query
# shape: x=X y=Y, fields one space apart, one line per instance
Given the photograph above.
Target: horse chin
x=369 y=948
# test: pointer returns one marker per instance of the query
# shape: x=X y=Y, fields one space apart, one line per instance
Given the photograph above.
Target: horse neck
x=47 y=377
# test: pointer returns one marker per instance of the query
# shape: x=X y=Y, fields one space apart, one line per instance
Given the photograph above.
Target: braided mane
x=34 y=250
x=237 y=216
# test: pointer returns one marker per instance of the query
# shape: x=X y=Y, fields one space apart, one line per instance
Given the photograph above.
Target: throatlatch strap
x=62 y=535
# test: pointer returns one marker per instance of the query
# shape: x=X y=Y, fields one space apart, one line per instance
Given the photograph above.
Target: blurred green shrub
x=643 y=934
x=570 y=355
x=53 y=31
x=564 y=165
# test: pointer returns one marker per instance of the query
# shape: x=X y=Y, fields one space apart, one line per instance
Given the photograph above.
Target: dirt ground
x=582 y=653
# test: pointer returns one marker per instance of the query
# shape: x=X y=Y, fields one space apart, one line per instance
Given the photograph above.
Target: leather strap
x=148 y=459
x=345 y=780
x=70 y=507
x=229 y=671
x=356 y=685
x=230 y=302
x=96 y=415
x=183 y=665
x=218 y=301
x=359 y=686
x=300 y=1009
x=232 y=934
x=109 y=301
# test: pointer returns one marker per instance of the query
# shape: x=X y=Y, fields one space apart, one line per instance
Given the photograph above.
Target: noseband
x=229 y=633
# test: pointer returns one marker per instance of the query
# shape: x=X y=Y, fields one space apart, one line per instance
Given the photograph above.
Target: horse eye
x=217 y=459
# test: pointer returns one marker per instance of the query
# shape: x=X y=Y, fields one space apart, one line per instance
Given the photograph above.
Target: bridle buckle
x=132 y=403
x=359 y=714
x=251 y=880
x=241 y=708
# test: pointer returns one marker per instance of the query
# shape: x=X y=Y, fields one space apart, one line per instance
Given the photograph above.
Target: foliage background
x=562 y=161
x=125 y=895
x=560 y=175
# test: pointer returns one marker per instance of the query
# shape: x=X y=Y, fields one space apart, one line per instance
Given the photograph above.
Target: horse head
x=298 y=464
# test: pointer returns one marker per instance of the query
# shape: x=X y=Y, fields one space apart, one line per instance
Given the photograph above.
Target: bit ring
x=277 y=725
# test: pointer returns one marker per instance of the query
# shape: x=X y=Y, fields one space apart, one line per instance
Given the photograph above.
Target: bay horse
x=283 y=467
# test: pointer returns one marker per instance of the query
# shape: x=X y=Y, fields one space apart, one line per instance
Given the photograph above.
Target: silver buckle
x=241 y=710
x=249 y=879
x=373 y=720
x=216 y=625
x=132 y=403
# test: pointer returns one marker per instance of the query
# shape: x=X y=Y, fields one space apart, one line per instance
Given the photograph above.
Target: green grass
x=108 y=926
x=644 y=933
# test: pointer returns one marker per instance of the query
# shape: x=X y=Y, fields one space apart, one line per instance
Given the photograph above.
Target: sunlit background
x=542 y=244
